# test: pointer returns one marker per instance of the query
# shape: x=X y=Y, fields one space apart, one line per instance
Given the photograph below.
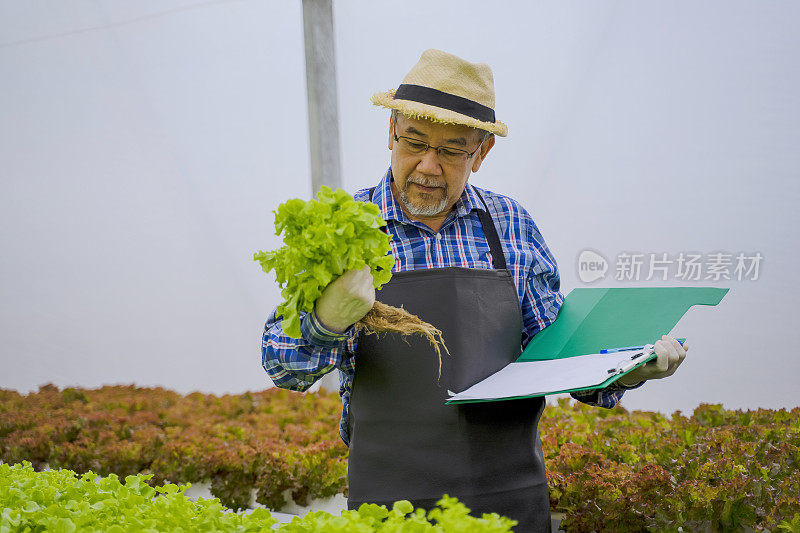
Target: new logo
x=591 y=266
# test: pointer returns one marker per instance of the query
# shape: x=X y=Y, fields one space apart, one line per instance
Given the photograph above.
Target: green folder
x=592 y=319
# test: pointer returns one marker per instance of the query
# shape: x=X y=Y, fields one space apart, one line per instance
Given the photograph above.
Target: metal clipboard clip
x=634 y=360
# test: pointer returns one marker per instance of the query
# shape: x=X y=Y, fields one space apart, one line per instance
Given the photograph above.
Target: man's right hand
x=346 y=300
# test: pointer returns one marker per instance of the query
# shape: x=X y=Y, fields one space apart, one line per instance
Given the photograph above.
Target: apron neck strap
x=489 y=231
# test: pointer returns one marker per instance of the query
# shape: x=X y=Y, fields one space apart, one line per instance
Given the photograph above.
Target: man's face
x=428 y=185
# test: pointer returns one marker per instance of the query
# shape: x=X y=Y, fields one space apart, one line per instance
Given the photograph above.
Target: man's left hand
x=669 y=356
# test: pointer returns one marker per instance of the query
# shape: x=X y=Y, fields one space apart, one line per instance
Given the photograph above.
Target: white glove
x=346 y=300
x=669 y=356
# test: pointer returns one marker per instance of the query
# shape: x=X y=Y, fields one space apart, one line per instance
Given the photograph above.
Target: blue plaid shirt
x=297 y=363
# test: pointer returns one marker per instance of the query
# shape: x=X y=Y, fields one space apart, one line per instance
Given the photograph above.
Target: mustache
x=425 y=182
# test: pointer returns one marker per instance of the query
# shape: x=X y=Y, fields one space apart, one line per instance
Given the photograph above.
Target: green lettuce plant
x=323 y=238
x=59 y=501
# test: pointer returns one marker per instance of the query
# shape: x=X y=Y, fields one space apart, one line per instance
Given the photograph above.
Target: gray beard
x=422 y=210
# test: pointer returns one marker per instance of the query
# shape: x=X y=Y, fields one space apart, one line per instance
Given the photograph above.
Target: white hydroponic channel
x=334 y=505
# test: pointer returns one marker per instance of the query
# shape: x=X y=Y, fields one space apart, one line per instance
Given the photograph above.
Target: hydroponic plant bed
x=716 y=469
x=61 y=502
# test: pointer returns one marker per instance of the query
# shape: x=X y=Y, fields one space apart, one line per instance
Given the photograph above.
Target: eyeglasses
x=445 y=153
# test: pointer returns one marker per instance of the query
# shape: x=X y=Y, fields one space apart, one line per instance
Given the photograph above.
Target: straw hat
x=444 y=88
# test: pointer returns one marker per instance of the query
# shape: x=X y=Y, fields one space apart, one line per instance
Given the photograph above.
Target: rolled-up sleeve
x=296 y=364
x=607 y=398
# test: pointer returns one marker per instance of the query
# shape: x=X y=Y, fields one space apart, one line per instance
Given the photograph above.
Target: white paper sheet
x=538 y=378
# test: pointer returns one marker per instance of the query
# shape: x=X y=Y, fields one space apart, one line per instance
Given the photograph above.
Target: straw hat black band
x=434 y=97
x=446 y=89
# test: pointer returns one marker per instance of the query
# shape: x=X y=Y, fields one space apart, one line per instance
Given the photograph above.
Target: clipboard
x=565 y=356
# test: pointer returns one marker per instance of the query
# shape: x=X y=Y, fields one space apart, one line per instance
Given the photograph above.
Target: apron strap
x=489 y=231
x=372 y=190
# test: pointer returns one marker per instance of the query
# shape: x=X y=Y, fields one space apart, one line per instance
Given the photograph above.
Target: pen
x=614 y=350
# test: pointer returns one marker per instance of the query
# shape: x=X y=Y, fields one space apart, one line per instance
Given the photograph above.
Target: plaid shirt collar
x=391 y=210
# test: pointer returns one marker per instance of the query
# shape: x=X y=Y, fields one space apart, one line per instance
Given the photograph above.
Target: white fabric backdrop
x=144 y=145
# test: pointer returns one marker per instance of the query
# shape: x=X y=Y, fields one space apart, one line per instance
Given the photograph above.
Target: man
x=469 y=261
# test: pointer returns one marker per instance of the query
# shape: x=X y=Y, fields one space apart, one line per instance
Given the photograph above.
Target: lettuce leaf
x=323 y=238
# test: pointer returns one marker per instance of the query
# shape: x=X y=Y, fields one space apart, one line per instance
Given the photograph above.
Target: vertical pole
x=323 y=110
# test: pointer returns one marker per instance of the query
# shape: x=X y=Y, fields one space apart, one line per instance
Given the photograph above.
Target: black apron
x=405 y=443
